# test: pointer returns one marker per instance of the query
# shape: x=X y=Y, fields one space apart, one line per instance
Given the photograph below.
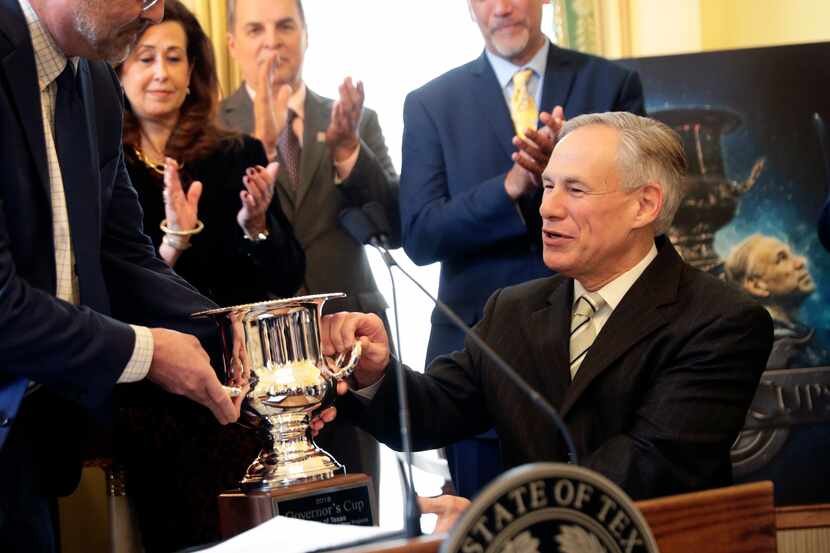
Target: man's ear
x=756 y=286
x=231 y=44
x=649 y=204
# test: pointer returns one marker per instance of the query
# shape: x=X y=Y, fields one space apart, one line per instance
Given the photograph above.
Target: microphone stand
x=412 y=512
x=380 y=245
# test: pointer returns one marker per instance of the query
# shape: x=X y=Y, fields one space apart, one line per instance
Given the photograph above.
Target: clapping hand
x=259 y=184
x=342 y=136
x=181 y=210
x=534 y=150
x=270 y=109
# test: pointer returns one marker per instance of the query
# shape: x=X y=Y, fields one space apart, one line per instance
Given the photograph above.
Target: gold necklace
x=157 y=167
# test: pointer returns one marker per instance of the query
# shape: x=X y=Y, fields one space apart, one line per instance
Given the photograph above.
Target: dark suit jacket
x=76 y=351
x=655 y=405
x=334 y=261
x=456 y=153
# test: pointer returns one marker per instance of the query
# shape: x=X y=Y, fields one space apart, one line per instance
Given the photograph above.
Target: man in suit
x=651 y=363
x=466 y=199
x=333 y=156
x=73 y=260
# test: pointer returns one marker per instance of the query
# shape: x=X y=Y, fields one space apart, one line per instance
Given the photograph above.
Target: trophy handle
x=338 y=369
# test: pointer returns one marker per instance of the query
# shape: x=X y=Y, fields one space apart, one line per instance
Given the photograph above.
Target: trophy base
x=344 y=499
x=275 y=469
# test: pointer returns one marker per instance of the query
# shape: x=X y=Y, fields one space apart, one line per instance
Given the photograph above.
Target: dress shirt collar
x=49 y=59
x=296 y=102
x=614 y=291
x=505 y=70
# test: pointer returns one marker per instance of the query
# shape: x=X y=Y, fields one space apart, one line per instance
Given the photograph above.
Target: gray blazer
x=335 y=262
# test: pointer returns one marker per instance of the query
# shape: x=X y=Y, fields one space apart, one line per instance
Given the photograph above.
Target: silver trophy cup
x=273 y=356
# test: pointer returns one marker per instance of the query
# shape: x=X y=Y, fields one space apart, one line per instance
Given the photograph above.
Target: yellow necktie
x=522 y=105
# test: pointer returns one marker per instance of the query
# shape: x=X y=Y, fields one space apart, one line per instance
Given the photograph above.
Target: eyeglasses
x=147 y=4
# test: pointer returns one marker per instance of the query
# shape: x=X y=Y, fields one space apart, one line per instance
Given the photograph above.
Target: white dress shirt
x=614 y=291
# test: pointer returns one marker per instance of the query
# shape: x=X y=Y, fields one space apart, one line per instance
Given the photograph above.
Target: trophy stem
x=292 y=458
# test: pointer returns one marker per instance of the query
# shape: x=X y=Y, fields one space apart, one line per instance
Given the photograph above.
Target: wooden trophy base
x=344 y=499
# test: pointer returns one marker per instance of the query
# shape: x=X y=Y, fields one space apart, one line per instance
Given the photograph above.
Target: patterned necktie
x=522 y=105
x=583 y=331
x=72 y=145
x=289 y=148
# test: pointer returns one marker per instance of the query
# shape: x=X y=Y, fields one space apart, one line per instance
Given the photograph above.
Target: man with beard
x=774 y=275
x=468 y=200
x=73 y=261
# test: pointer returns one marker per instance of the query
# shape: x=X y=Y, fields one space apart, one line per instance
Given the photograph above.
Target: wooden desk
x=803 y=528
x=737 y=519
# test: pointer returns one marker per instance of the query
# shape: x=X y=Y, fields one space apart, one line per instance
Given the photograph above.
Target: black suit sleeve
x=446 y=404
x=691 y=411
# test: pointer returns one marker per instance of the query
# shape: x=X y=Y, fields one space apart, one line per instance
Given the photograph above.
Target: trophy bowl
x=273 y=357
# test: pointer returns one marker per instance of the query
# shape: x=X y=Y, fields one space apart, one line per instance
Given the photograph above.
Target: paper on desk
x=293 y=535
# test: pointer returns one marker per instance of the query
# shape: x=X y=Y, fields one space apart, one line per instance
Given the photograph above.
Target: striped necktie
x=583 y=331
x=289 y=149
x=523 y=108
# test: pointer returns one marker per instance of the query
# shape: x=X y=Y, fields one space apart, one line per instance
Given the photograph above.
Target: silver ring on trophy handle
x=233 y=391
x=339 y=371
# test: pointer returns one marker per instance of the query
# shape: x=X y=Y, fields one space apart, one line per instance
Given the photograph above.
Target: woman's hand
x=259 y=191
x=180 y=210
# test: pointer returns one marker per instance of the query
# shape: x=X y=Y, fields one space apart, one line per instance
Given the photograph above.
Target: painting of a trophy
x=272 y=356
x=710 y=199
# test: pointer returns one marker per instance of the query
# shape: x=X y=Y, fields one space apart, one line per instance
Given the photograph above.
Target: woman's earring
x=187 y=90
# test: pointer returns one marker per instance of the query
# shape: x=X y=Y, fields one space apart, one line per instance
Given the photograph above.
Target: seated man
x=769 y=271
x=651 y=363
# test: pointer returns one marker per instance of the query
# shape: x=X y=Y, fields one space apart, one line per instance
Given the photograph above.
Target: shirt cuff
x=365 y=395
x=342 y=169
x=139 y=364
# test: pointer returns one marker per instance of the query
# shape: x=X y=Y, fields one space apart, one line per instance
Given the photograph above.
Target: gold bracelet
x=200 y=226
x=176 y=242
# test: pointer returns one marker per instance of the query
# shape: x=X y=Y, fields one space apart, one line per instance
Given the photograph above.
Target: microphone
x=375 y=238
x=357 y=223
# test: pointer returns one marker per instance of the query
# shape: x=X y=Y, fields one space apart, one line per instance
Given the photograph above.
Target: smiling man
x=651 y=363
x=465 y=201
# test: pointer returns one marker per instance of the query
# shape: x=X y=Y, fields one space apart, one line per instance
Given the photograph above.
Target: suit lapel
x=239 y=110
x=637 y=316
x=549 y=327
x=559 y=76
x=21 y=75
x=490 y=98
x=314 y=151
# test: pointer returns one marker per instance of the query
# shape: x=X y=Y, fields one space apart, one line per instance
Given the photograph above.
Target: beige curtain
x=601 y=27
x=212 y=14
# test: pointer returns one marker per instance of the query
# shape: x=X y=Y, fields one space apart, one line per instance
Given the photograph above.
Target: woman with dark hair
x=210 y=209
